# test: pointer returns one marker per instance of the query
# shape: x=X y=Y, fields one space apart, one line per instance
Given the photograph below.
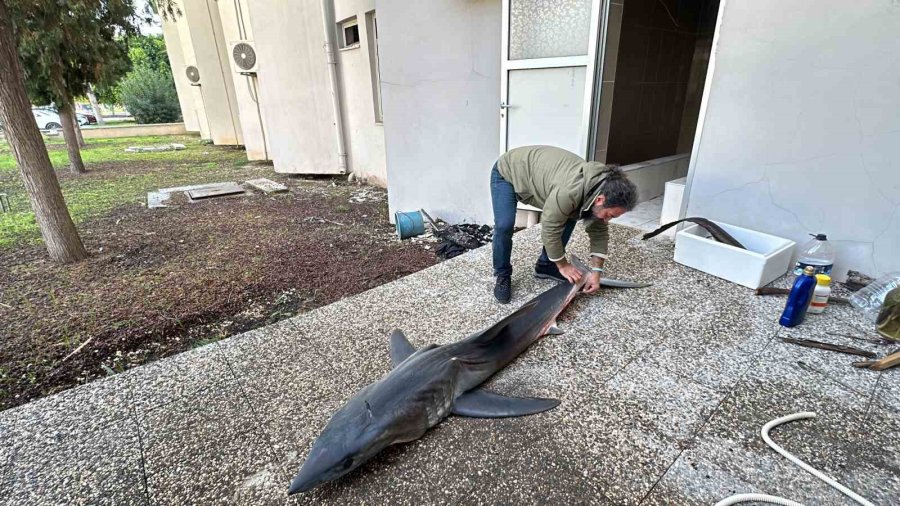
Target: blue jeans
x=503 y=199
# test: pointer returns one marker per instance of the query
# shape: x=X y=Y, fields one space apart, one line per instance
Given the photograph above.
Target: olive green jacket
x=562 y=184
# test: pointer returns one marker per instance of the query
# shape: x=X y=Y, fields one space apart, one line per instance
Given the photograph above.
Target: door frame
x=589 y=61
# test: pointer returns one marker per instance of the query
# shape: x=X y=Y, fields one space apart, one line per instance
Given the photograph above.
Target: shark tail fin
x=581 y=266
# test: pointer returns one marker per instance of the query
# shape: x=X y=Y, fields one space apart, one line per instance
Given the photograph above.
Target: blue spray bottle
x=799 y=298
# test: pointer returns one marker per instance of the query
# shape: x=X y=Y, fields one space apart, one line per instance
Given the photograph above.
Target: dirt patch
x=162 y=281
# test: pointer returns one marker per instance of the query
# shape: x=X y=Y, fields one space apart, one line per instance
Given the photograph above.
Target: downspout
x=327 y=14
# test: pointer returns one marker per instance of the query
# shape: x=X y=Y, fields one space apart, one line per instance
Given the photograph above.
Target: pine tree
x=65 y=47
x=52 y=215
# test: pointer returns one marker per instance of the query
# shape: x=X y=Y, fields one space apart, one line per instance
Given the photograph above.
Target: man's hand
x=570 y=272
x=593 y=283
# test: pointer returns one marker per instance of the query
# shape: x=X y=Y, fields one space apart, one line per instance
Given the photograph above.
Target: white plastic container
x=820 y=295
x=869 y=299
x=671 y=208
x=817 y=252
x=766 y=258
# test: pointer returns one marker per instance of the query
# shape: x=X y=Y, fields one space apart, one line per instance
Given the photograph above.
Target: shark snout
x=310 y=476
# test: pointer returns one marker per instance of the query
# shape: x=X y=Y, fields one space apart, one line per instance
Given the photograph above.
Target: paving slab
x=730 y=456
x=663 y=393
x=204 y=449
x=267 y=185
x=77 y=464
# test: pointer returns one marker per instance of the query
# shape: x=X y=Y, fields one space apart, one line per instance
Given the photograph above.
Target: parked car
x=48 y=119
x=86 y=119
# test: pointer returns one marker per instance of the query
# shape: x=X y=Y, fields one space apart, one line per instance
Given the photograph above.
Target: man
x=567 y=188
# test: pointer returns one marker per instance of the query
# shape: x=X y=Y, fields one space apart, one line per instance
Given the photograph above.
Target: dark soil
x=164 y=280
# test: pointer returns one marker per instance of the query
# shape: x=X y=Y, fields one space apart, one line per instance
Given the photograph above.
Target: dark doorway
x=657 y=53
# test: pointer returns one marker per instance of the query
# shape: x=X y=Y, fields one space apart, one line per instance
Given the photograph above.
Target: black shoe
x=503 y=289
x=548 y=271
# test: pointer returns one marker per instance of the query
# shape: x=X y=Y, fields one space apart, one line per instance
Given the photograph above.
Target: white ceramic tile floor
x=645 y=216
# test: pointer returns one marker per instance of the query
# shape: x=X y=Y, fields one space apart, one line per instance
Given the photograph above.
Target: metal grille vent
x=193 y=74
x=244 y=56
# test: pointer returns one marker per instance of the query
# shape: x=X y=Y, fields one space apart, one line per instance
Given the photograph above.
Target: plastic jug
x=869 y=299
x=799 y=299
x=818 y=253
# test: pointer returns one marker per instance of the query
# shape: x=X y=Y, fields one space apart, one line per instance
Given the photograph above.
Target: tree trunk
x=92 y=97
x=78 y=134
x=57 y=228
x=68 y=127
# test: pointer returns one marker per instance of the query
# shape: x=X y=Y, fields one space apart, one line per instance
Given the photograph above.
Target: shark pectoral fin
x=484 y=404
x=401 y=348
x=554 y=330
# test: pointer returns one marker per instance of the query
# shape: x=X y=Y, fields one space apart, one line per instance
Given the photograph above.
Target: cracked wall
x=801 y=132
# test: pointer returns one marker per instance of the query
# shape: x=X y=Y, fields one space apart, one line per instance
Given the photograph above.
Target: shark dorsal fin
x=401 y=348
x=500 y=326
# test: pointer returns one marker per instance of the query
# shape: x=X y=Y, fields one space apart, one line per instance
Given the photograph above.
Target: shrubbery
x=149 y=95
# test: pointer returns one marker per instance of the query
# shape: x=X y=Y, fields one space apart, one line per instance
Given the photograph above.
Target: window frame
x=344 y=26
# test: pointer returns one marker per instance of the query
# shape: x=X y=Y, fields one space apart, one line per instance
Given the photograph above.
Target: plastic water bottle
x=870 y=298
x=817 y=253
x=799 y=299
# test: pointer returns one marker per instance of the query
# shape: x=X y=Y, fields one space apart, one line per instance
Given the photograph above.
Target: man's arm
x=598 y=233
x=557 y=209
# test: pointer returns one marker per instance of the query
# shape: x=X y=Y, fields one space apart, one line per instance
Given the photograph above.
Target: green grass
x=117 y=178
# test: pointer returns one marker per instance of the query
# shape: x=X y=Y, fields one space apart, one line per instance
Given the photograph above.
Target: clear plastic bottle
x=817 y=252
x=870 y=298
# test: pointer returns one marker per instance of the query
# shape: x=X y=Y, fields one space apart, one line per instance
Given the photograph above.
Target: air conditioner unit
x=193 y=74
x=243 y=52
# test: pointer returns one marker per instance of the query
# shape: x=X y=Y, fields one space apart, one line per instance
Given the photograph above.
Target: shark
x=427 y=385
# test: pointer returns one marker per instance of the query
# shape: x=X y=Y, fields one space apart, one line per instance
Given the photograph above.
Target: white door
x=549 y=50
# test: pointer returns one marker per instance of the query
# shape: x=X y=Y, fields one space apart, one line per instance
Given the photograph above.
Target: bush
x=150 y=96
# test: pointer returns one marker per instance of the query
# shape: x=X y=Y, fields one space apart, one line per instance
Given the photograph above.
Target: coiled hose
x=806 y=467
x=757 y=498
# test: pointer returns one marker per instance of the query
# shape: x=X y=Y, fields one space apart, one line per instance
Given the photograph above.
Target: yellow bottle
x=821 y=294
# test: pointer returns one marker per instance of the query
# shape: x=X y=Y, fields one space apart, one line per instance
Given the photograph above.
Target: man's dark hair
x=618 y=189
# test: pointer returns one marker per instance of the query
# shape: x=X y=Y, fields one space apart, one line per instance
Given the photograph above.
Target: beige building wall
x=360 y=86
x=294 y=90
x=235 y=17
x=201 y=25
x=799 y=131
x=182 y=86
x=192 y=92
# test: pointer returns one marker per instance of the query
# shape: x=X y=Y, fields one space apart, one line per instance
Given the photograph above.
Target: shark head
x=355 y=434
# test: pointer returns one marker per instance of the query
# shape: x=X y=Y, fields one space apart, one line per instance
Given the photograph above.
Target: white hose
x=756 y=498
x=818 y=474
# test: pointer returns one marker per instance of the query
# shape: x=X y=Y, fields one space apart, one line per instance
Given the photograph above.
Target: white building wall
x=192 y=93
x=294 y=89
x=236 y=25
x=440 y=76
x=182 y=87
x=210 y=55
x=800 y=132
x=365 y=135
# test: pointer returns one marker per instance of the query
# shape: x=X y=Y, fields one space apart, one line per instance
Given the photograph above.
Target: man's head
x=617 y=196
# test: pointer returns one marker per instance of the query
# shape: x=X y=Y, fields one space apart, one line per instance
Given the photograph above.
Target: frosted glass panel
x=548 y=28
x=547 y=106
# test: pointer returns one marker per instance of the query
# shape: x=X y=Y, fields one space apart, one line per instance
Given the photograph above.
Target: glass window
x=548 y=28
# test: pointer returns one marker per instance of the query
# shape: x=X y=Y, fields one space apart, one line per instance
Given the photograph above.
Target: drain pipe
x=327 y=14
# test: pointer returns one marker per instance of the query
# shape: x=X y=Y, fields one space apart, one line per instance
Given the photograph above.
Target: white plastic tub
x=766 y=258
